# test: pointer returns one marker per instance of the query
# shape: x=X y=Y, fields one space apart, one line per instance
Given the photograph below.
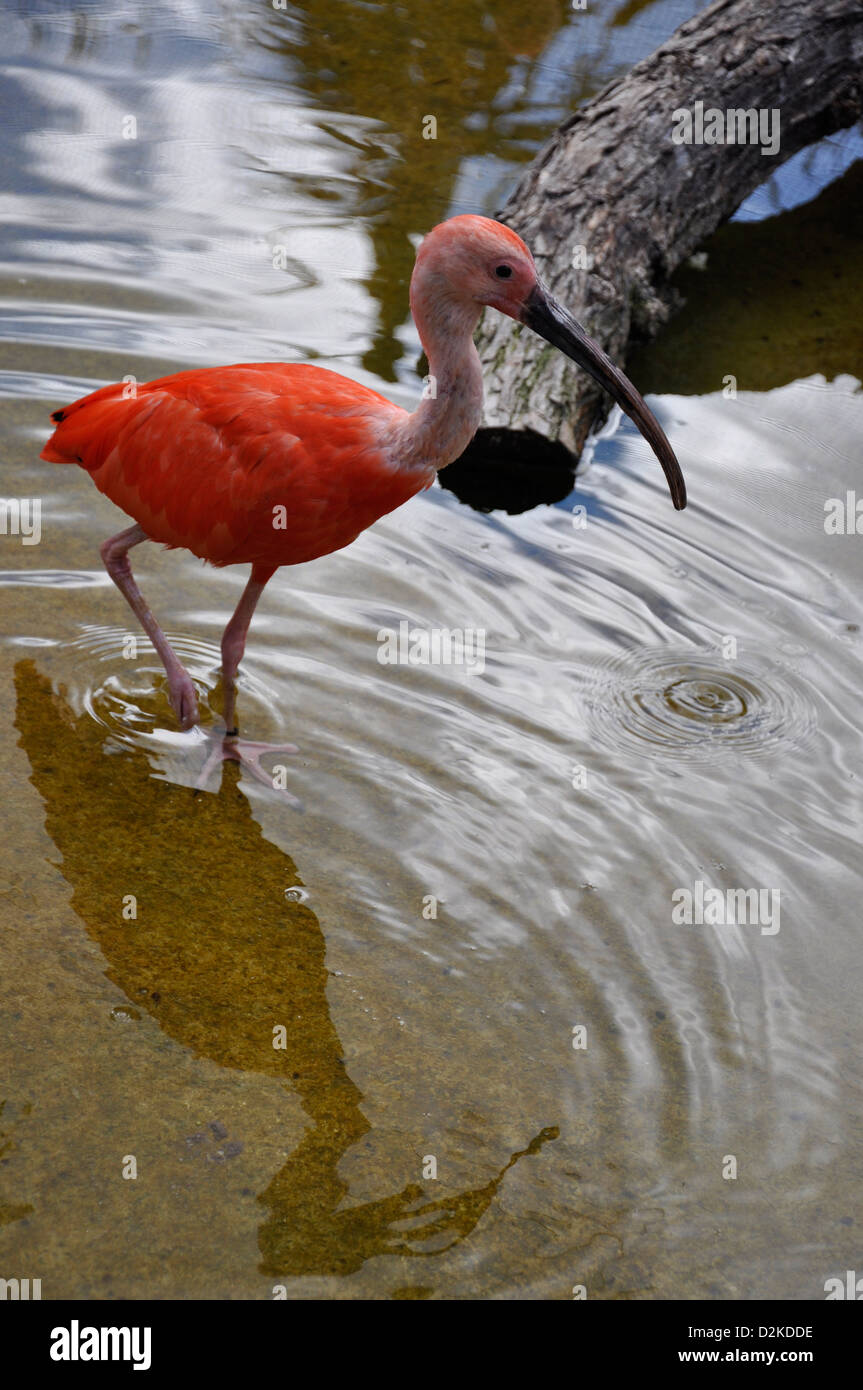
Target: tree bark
x=612 y=181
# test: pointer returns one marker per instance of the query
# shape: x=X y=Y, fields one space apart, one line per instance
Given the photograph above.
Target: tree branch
x=613 y=181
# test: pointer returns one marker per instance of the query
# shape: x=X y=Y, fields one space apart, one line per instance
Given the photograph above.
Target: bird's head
x=473 y=261
x=476 y=261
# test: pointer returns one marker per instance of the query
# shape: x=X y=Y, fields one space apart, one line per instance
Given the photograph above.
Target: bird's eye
x=503 y=271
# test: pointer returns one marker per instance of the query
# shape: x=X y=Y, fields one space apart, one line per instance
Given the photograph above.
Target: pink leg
x=232 y=748
x=115 y=555
x=234 y=642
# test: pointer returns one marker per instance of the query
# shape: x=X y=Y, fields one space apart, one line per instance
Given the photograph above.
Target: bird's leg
x=233 y=645
x=115 y=556
x=234 y=642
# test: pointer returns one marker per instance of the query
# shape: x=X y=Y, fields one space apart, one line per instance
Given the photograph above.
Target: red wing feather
x=201 y=459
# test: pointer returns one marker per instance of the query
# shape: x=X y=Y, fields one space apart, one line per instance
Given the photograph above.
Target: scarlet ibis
x=272 y=464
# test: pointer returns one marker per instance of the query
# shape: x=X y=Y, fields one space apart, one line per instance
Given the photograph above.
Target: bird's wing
x=202 y=459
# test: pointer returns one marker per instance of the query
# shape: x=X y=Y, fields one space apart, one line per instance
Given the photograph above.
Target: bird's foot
x=229 y=747
x=184 y=698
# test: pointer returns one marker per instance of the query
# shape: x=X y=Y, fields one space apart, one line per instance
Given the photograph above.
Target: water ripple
x=673 y=704
x=130 y=698
x=53 y=579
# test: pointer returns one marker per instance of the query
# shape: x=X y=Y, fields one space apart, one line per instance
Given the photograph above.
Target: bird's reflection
x=219 y=956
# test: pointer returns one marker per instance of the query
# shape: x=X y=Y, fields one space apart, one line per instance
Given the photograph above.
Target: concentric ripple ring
x=661 y=701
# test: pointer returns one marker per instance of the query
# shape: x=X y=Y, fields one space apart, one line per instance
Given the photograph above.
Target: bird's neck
x=445 y=421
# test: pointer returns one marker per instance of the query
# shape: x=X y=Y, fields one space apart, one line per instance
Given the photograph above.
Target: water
x=465 y=946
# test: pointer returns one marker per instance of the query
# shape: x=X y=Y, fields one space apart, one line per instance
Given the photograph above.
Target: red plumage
x=203 y=459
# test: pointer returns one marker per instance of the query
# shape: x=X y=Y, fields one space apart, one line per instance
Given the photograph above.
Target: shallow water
x=488 y=858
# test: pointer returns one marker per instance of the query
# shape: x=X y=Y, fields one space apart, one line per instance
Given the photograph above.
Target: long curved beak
x=551 y=321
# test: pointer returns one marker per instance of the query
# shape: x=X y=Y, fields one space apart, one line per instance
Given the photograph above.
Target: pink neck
x=444 y=423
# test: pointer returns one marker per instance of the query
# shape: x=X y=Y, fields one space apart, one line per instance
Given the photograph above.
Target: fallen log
x=627 y=189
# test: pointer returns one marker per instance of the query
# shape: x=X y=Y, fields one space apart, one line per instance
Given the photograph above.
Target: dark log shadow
x=504 y=471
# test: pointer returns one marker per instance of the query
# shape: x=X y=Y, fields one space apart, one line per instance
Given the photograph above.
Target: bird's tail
x=87 y=429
